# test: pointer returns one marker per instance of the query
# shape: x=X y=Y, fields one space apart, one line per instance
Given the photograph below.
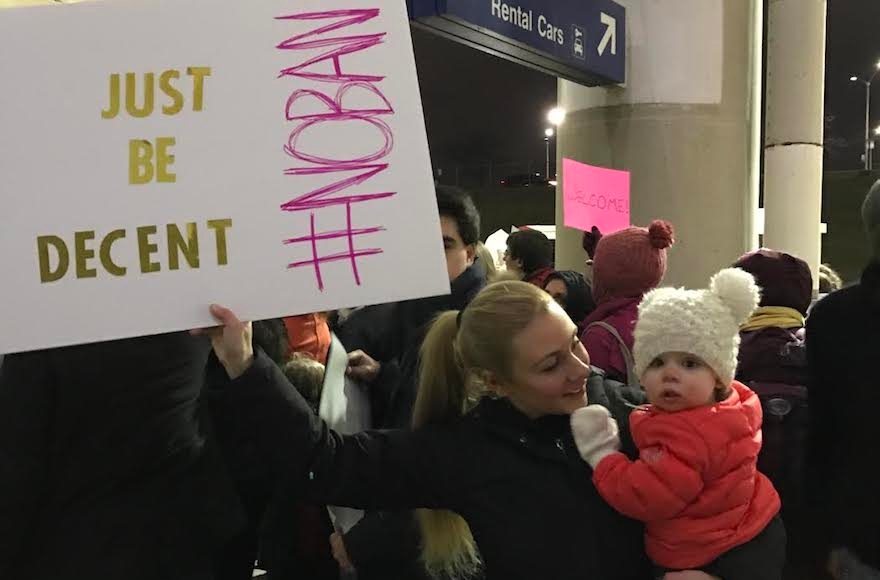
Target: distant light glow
x=556 y=116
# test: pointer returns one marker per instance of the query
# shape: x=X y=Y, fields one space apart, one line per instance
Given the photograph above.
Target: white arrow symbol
x=610 y=34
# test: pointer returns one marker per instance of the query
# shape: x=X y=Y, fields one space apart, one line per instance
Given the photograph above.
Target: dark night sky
x=853 y=48
x=479 y=107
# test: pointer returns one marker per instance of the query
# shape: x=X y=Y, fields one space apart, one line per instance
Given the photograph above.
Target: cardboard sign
x=595 y=196
x=160 y=155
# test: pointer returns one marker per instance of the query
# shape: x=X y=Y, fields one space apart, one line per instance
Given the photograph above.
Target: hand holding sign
x=232 y=341
x=362 y=367
x=591 y=240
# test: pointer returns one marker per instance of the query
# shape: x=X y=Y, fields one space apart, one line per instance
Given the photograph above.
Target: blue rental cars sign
x=581 y=40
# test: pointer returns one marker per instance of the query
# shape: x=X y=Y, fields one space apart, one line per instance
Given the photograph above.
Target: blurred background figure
x=571 y=291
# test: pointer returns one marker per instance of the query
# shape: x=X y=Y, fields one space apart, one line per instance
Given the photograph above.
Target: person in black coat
x=509 y=466
x=385 y=545
x=398 y=340
x=571 y=291
x=106 y=468
x=843 y=340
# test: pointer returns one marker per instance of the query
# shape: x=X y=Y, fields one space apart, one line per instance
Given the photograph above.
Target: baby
x=695 y=483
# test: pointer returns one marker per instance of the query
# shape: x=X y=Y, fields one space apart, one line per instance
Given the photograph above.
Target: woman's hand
x=231 y=341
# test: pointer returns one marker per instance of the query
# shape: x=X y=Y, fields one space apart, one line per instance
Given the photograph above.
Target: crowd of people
x=532 y=423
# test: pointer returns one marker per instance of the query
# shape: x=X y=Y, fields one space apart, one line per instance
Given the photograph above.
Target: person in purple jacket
x=773 y=363
x=626 y=265
x=772 y=340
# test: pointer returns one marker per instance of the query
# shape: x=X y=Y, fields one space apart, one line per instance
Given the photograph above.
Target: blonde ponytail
x=448 y=547
x=457 y=353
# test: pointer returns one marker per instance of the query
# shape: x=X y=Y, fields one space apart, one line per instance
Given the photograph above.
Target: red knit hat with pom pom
x=630 y=262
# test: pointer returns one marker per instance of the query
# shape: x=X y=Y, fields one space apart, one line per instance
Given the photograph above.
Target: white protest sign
x=160 y=155
x=497 y=245
x=345 y=406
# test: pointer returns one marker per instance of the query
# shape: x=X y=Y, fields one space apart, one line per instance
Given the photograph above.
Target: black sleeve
x=271 y=426
x=391 y=344
x=383 y=536
x=365 y=329
x=382 y=392
x=25 y=430
x=823 y=429
x=381 y=338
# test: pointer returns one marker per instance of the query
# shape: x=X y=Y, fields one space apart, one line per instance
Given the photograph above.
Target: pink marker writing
x=320 y=116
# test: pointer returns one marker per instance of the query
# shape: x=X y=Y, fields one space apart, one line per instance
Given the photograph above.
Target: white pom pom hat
x=700 y=322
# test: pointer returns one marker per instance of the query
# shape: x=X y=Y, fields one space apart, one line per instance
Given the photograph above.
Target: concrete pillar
x=794 y=128
x=686 y=125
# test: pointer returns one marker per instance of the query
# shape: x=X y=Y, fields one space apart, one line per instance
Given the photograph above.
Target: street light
x=867 y=113
x=548 y=132
x=556 y=116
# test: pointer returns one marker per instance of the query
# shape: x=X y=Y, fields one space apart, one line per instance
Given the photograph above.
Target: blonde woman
x=493 y=445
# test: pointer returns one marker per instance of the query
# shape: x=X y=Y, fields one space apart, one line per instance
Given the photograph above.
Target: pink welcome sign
x=594 y=196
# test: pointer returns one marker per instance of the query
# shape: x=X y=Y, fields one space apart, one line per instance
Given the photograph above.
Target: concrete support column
x=686 y=125
x=794 y=128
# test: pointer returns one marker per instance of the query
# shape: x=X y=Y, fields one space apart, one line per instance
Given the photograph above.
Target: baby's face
x=676 y=381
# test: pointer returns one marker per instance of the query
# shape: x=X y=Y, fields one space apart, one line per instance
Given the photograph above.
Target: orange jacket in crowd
x=695 y=484
x=309 y=333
